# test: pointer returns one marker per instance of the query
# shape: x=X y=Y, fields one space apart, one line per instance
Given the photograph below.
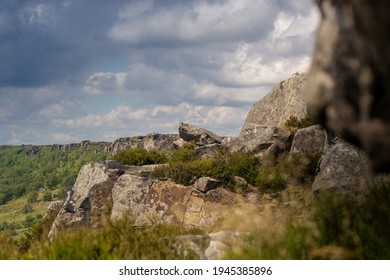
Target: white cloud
x=117 y=117
x=248 y=68
x=203 y=21
x=161 y=119
x=210 y=93
x=61 y=108
x=103 y=82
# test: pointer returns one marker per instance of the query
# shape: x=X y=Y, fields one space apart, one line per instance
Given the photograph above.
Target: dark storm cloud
x=50 y=41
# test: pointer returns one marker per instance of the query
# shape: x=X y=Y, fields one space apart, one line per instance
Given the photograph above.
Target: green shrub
x=180 y=172
x=29 y=220
x=47 y=196
x=185 y=166
x=244 y=165
x=270 y=180
x=32 y=197
x=138 y=156
x=185 y=154
x=293 y=123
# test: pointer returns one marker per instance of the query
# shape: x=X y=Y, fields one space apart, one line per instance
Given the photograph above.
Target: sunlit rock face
x=348 y=85
x=284 y=100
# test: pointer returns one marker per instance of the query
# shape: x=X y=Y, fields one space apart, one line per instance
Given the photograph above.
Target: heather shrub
x=138 y=156
x=293 y=123
x=271 y=180
x=185 y=166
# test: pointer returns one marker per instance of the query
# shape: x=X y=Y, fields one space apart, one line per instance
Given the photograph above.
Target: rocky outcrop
x=348 y=82
x=343 y=168
x=31 y=151
x=260 y=140
x=146 y=201
x=65 y=147
x=152 y=141
x=149 y=142
x=109 y=189
x=198 y=135
x=263 y=131
x=310 y=140
x=285 y=99
x=90 y=197
x=74 y=146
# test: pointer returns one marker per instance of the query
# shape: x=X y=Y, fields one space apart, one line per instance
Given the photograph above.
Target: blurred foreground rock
x=348 y=88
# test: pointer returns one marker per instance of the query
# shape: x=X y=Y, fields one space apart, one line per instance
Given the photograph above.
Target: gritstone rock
x=285 y=99
x=200 y=136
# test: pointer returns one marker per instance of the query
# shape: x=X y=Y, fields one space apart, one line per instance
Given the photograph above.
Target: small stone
x=205 y=184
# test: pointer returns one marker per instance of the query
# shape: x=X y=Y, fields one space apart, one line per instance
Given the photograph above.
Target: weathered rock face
x=148 y=142
x=109 y=189
x=146 y=202
x=285 y=99
x=259 y=139
x=348 y=88
x=310 y=140
x=205 y=184
x=200 y=136
x=90 y=197
x=344 y=168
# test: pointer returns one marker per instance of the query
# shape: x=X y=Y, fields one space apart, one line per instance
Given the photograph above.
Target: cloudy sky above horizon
x=73 y=70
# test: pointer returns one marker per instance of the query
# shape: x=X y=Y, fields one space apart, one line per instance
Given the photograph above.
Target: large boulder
x=90 y=197
x=205 y=184
x=285 y=99
x=260 y=140
x=198 y=135
x=343 y=168
x=348 y=84
x=309 y=140
x=146 y=201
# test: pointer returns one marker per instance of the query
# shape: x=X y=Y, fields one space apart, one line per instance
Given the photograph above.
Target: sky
x=73 y=70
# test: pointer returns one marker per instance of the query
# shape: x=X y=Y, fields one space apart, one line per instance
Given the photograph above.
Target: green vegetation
x=185 y=166
x=331 y=227
x=293 y=123
x=116 y=240
x=27 y=182
x=269 y=175
x=271 y=180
